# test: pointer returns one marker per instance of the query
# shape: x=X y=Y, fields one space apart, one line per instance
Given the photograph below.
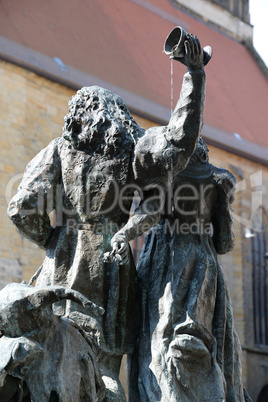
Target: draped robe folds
x=84 y=189
x=188 y=348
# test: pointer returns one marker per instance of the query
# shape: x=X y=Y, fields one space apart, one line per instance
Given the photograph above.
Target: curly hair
x=99 y=121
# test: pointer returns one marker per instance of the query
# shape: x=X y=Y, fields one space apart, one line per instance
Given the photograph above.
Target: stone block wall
x=31 y=115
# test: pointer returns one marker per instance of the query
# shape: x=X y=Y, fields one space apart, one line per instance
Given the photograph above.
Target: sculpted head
x=99 y=121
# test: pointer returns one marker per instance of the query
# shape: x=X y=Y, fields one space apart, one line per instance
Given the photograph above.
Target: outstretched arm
x=187 y=119
x=29 y=209
x=169 y=148
x=165 y=150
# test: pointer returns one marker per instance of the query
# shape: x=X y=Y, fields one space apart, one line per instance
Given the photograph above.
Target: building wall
x=231 y=16
x=31 y=115
x=240 y=8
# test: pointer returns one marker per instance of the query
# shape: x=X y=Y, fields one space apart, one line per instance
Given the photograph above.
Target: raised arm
x=29 y=209
x=165 y=151
x=187 y=119
x=169 y=148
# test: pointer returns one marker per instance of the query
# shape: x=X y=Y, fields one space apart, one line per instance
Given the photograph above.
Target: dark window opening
x=263 y=397
x=54 y=397
x=260 y=281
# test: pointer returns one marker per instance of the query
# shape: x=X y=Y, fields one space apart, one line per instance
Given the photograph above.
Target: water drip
x=172 y=168
x=171 y=85
x=172 y=208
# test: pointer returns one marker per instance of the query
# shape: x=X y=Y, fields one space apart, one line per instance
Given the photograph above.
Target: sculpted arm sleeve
x=30 y=207
x=223 y=230
x=169 y=148
x=145 y=216
x=187 y=119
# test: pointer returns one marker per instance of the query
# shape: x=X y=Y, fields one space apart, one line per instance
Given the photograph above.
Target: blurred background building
x=49 y=49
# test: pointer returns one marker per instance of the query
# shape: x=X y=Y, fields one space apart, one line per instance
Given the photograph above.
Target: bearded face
x=98 y=121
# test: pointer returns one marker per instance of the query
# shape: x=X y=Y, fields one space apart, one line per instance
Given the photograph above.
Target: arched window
x=263 y=396
x=260 y=277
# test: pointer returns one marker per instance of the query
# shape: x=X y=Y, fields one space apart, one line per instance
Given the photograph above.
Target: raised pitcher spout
x=174 y=46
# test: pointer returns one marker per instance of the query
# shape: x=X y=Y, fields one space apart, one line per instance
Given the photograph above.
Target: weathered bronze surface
x=188 y=349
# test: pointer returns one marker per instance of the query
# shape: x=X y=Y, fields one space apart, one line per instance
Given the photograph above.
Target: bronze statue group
x=171 y=314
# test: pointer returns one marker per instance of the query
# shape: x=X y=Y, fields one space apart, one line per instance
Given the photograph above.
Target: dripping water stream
x=172 y=234
x=171 y=85
x=172 y=168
